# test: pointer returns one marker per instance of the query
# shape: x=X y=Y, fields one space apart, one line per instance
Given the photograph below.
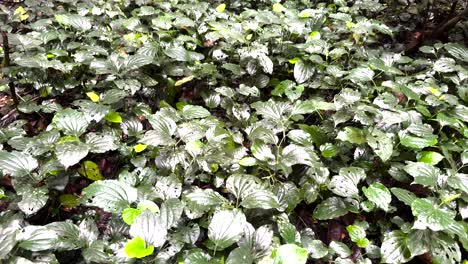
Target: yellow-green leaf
x=294 y=60
x=21 y=13
x=220 y=8
x=113 y=117
x=139 y=148
x=136 y=248
x=90 y=170
x=93 y=96
x=69 y=200
x=278 y=8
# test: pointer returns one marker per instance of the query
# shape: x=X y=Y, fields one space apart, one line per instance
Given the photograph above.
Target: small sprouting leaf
x=21 y=13
x=358 y=235
x=93 y=96
x=129 y=214
x=289 y=253
x=379 y=195
x=90 y=170
x=220 y=8
x=113 y=117
x=139 y=148
x=278 y=8
x=136 y=248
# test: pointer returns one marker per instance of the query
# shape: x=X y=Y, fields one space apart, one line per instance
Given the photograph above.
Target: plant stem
x=6 y=64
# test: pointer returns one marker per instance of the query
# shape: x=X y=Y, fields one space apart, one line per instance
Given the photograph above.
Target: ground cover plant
x=189 y=131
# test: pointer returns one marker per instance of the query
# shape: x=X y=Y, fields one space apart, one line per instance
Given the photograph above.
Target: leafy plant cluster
x=188 y=131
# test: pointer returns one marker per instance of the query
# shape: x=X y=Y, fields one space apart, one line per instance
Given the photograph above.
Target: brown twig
x=449 y=24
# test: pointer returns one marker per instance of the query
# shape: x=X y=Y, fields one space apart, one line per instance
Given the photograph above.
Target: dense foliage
x=190 y=131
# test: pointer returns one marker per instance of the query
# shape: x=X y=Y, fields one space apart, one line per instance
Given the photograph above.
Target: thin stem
x=6 y=64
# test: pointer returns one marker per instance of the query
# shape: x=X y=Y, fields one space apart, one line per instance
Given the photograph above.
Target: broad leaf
x=110 y=195
x=16 y=163
x=226 y=227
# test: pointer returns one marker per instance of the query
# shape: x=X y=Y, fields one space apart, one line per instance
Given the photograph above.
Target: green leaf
x=111 y=195
x=361 y=74
x=139 y=148
x=379 y=195
x=278 y=8
x=262 y=151
x=417 y=142
x=340 y=248
x=220 y=8
x=403 y=195
x=430 y=157
x=330 y=208
x=423 y=173
x=170 y=212
x=260 y=199
x=68 y=234
x=345 y=184
x=226 y=227
x=459 y=181
x=195 y=111
x=381 y=144
x=328 y=150
x=163 y=129
x=93 y=96
x=136 y=248
x=90 y=170
x=7 y=239
x=17 y=164
x=240 y=255
x=272 y=110
x=71 y=152
x=113 y=117
x=206 y=197
x=101 y=143
x=77 y=21
x=430 y=215
x=247 y=161
x=71 y=122
x=352 y=135
x=129 y=215
x=303 y=71
x=37 y=238
x=32 y=199
x=457 y=50
x=394 y=247
x=266 y=63
x=289 y=253
x=149 y=227
x=358 y=235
